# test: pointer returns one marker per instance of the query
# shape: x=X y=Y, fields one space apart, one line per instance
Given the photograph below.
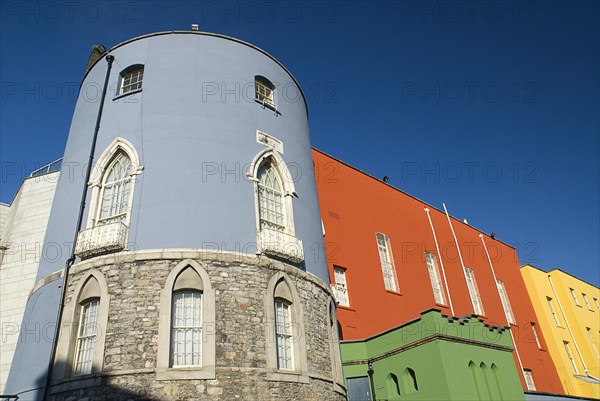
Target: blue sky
x=492 y=108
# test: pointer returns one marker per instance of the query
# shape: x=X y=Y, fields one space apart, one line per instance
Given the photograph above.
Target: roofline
x=216 y=35
x=411 y=196
x=407 y=323
x=558 y=270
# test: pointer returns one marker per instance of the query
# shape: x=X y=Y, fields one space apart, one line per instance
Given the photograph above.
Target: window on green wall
x=393 y=387
x=409 y=381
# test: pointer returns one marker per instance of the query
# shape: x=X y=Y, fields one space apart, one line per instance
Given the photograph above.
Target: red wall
x=355 y=206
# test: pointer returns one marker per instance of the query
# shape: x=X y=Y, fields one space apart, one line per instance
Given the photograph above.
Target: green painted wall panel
x=438 y=351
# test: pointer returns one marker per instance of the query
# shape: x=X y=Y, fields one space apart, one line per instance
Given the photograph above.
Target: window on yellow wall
x=574 y=296
x=591 y=337
x=554 y=315
x=570 y=356
x=587 y=303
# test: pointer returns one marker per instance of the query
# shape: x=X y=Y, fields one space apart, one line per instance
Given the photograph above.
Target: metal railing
x=48 y=168
x=101 y=239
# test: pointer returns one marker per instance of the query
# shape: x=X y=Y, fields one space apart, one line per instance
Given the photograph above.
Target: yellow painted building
x=568 y=310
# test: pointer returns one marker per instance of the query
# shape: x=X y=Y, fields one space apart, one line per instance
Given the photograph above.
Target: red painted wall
x=355 y=206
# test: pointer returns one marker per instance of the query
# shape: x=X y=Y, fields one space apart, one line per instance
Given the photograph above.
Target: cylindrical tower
x=200 y=270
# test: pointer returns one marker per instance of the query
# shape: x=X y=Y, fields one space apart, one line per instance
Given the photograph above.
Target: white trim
x=269 y=140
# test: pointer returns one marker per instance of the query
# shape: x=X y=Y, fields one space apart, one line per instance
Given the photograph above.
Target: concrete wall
x=24 y=227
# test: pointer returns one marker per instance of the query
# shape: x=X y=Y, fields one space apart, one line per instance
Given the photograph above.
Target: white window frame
x=283 y=334
x=281 y=287
x=529 y=380
x=173 y=285
x=386 y=258
x=570 y=356
x=285 y=179
x=587 y=302
x=508 y=311
x=535 y=335
x=574 y=297
x=435 y=278
x=341 y=286
x=264 y=91
x=135 y=75
x=553 y=311
x=66 y=349
x=271 y=201
x=589 y=332
x=98 y=173
x=87 y=333
x=474 y=292
x=123 y=181
x=192 y=325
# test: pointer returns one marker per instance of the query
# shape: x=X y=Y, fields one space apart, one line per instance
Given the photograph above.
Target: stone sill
x=187 y=373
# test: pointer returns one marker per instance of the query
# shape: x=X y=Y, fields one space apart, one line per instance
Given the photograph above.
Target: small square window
x=264 y=91
x=131 y=79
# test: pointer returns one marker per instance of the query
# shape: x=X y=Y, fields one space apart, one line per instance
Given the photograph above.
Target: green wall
x=438 y=350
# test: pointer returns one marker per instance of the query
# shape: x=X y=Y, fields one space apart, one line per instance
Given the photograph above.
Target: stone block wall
x=135 y=281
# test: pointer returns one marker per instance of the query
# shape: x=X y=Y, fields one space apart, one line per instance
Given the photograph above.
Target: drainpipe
x=71 y=260
x=562 y=311
x=507 y=323
x=458 y=250
x=370 y=371
x=437 y=247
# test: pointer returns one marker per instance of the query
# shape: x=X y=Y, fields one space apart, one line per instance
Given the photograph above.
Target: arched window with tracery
x=115 y=190
x=270 y=198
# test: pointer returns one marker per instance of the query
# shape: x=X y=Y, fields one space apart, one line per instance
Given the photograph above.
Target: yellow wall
x=570 y=316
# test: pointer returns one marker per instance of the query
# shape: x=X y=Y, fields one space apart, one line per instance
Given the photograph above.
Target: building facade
x=568 y=310
x=22 y=229
x=392 y=256
x=434 y=357
x=192 y=274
